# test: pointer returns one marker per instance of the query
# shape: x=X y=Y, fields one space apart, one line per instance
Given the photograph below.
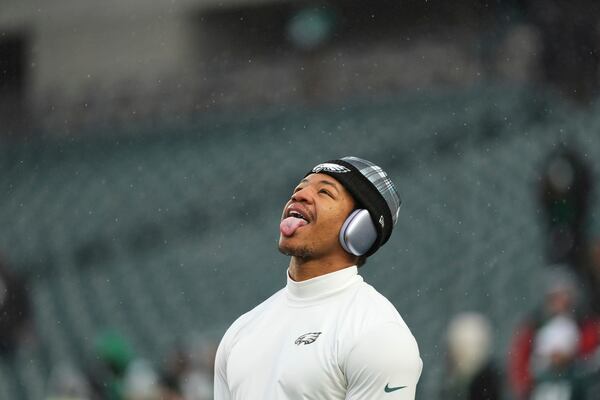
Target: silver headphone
x=358 y=232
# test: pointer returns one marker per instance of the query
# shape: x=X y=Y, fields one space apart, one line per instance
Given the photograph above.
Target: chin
x=294 y=250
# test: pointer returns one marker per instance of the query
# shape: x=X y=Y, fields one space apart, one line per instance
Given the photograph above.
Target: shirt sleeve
x=383 y=364
x=221 y=388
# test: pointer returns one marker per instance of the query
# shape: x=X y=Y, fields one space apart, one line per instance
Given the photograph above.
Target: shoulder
x=373 y=308
x=389 y=342
x=372 y=317
x=242 y=323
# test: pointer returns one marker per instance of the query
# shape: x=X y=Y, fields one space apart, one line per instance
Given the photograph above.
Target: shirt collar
x=323 y=285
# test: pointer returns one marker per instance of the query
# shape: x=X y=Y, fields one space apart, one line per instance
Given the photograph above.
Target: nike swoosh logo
x=389 y=389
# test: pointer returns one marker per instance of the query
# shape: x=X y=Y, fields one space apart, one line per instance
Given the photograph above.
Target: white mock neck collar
x=321 y=286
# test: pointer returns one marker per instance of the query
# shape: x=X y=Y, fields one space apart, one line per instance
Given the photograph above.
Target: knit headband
x=371 y=188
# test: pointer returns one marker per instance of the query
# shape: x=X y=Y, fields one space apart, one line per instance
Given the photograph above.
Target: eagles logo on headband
x=330 y=167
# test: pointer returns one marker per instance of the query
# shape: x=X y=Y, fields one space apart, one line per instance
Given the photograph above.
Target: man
x=471 y=373
x=560 y=300
x=327 y=334
x=557 y=374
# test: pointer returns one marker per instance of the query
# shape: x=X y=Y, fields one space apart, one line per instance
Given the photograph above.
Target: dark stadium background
x=146 y=150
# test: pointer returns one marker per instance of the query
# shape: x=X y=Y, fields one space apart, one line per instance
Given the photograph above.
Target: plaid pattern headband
x=382 y=183
x=371 y=188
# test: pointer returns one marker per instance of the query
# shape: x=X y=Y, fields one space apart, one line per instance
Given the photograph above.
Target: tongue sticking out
x=289 y=225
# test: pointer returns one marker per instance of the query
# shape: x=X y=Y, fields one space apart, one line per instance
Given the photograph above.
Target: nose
x=303 y=195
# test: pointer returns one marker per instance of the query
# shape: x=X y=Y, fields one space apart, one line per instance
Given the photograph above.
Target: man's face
x=325 y=204
x=560 y=301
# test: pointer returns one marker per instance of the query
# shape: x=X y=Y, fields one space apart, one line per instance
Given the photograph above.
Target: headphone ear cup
x=358 y=232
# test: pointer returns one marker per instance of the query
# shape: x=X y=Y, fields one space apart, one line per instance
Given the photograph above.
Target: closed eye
x=326 y=192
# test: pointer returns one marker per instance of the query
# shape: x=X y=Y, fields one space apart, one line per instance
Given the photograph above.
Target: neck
x=302 y=269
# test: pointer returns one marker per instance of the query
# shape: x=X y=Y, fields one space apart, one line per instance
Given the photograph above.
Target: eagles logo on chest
x=307 y=338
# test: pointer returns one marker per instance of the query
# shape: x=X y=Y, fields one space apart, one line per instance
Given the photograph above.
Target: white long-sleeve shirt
x=330 y=337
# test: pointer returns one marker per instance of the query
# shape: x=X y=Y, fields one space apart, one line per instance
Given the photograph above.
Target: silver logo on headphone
x=330 y=167
x=381 y=221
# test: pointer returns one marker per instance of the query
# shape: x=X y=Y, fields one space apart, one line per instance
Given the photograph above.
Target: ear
x=358 y=232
